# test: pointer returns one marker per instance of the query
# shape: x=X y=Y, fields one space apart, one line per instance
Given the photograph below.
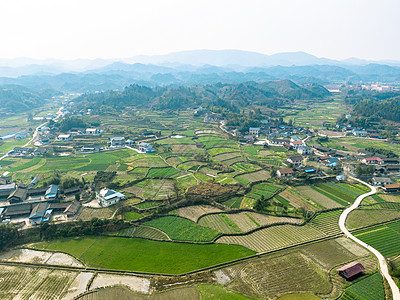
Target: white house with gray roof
x=107 y=197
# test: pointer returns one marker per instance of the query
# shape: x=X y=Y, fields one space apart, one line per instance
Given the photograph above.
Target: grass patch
x=132 y=216
x=181 y=229
x=133 y=254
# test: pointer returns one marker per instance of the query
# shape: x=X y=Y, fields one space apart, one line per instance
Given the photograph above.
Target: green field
x=131 y=216
x=182 y=229
x=135 y=254
x=366 y=289
x=384 y=238
x=162 y=172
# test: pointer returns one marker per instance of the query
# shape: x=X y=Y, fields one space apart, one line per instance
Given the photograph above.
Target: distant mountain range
x=232 y=60
x=198 y=67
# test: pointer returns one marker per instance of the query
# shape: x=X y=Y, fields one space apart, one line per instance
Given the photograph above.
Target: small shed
x=350 y=270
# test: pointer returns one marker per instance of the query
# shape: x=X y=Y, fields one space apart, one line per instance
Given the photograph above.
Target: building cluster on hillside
x=120 y=142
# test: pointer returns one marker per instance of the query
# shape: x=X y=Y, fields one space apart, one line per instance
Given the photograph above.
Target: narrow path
x=35 y=134
x=382 y=261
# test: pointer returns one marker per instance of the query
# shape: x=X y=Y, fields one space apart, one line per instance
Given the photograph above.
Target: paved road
x=382 y=261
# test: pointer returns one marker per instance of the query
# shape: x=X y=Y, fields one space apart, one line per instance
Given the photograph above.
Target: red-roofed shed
x=350 y=270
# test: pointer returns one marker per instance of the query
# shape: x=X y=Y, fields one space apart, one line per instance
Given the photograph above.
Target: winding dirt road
x=382 y=261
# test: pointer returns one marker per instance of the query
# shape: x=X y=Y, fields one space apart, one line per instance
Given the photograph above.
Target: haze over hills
x=236 y=60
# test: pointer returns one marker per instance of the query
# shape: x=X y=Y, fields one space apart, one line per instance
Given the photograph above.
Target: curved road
x=382 y=261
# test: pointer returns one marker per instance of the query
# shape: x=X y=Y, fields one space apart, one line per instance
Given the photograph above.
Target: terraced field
x=183 y=229
x=274 y=237
x=219 y=222
x=253 y=177
x=384 y=238
x=195 y=212
x=365 y=217
x=327 y=222
x=162 y=172
x=34 y=283
x=316 y=196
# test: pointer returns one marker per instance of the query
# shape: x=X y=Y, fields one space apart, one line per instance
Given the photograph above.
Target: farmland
x=327 y=222
x=195 y=212
x=384 y=238
x=366 y=217
x=274 y=237
x=145 y=255
x=367 y=288
x=182 y=229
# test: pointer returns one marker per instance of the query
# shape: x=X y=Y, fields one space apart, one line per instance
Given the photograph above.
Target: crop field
x=217 y=151
x=155 y=189
x=219 y=222
x=244 y=167
x=273 y=237
x=296 y=200
x=34 y=283
x=145 y=255
x=253 y=177
x=233 y=160
x=276 y=274
x=162 y=172
x=227 y=155
x=323 y=201
x=88 y=213
x=148 y=204
x=365 y=289
x=181 y=229
x=132 y=216
x=384 y=238
x=365 y=217
x=24 y=164
x=233 y=202
x=142 y=232
x=340 y=192
x=390 y=197
x=327 y=222
x=196 y=211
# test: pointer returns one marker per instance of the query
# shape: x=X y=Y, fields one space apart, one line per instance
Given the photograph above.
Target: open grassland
x=366 y=217
x=274 y=237
x=327 y=222
x=365 y=289
x=144 y=255
x=182 y=229
x=196 y=211
x=384 y=238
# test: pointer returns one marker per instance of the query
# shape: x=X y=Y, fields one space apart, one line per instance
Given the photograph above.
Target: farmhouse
x=295 y=138
x=64 y=137
x=361 y=133
x=21 y=151
x=274 y=141
x=295 y=160
x=392 y=188
x=145 y=147
x=350 y=270
x=72 y=209
x=7 y=189
x=5 y=180
x=106 y=197
x=37 y=213
x=52 y=192
x=21 y=135
x=93 y=131
x=117 y=142
x=285 y=173
x=381 y=180
x=23 y=209
x=254 y=131
x=297 y=144
x=304 y=150
x=372 y=160
x=211 y=118
x=18 y=195
x=321 y=150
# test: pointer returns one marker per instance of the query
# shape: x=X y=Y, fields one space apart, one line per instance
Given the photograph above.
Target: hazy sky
x=123 y=28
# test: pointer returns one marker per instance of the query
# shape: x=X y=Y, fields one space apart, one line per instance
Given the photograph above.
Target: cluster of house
x=26 y=151
x=35 y=203
x=15 y=135
x=120 y=142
